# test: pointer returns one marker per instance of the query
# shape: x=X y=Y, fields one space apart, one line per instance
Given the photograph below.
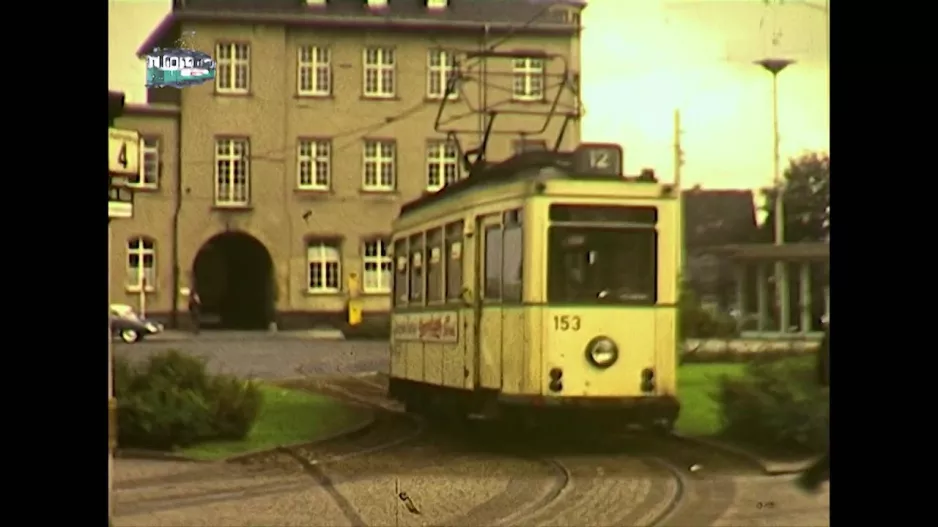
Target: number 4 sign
x=123 y=147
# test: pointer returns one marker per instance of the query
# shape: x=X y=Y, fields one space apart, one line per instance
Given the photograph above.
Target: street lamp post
x=775 y=66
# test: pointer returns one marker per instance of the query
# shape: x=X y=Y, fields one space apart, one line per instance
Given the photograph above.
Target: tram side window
x=416 y=269
x=493 y=263
x=453 y=256
x=512 y=257
x=434 y=257
x=400 y=272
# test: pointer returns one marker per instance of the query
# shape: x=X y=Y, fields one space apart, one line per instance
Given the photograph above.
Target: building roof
x=718 y=217
x=115 y=105
x=152 y=109
x=528 y=16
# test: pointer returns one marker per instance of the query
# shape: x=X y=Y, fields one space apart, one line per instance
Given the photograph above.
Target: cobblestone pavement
x=269 y=356
x=447 y=489
x=449 y=482
x=774 y=501
x=166 y=493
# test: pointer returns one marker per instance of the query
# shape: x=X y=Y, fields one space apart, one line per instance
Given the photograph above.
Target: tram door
x=488 y=308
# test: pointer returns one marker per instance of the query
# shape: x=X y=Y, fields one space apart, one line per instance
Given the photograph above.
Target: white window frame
x=379 y=278
x=385 y=62
x=315 y=157
x=326 y=254
x=148 y=177
x=228 y=64
x=226 y=185
x=442 y=155
x=439 y=74
x=531 y=72
x=379 y=156
x=141 y=247
x=318 y=66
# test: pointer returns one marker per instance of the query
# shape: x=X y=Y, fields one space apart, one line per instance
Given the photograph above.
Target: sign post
x=143 y=296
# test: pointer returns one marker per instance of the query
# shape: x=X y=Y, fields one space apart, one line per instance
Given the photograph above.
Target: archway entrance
x=233 y=273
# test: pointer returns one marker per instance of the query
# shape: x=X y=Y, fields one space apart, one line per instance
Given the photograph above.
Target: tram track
x=509 y=478
x=523 y=496
x=634 y=479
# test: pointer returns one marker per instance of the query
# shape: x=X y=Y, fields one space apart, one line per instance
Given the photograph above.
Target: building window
x=442 y=164
x=232 y=67
x=379 y=72
x=379 y=166
x=528 y=145
x=322 y=260
x=441 y=70
x=528 y=82
x=312 y=160
x=314 y=71
x=141 y=264
x=232 y=172
x=378 y=267
x=149 y=175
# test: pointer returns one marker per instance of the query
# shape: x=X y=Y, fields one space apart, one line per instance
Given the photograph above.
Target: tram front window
x=602 y=265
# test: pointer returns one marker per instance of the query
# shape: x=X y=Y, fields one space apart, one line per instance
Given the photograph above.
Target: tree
x=807 y=197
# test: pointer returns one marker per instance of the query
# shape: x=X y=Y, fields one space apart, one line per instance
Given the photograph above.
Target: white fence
x=743 y=346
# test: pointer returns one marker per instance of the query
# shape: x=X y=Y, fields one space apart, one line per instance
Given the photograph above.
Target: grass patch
x=287 y=416
x=696 y=383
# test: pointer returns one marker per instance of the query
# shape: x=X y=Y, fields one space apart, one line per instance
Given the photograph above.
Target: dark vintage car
x=129 y=326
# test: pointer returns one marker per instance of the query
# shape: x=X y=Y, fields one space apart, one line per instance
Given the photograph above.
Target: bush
x=777 y=404
x=697 y=322
x=171 y=401
x=235 y=405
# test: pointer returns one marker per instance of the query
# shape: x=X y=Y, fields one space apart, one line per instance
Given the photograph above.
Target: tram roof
x=519 y=166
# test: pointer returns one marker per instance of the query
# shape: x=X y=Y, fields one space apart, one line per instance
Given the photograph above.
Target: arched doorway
x=233 y=273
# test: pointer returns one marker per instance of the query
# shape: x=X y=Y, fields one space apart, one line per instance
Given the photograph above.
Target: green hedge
x=694 y=321
x=777 y=405
x=171 y=401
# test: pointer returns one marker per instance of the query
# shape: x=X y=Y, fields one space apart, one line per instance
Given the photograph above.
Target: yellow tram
x=544 y=285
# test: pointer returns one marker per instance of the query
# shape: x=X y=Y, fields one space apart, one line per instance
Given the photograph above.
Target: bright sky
x=644 y=58
x=641 y=60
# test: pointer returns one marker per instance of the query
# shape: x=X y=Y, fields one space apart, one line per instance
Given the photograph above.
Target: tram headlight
x=602 y=352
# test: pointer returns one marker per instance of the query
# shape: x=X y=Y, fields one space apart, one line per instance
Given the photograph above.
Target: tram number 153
x=567 y=322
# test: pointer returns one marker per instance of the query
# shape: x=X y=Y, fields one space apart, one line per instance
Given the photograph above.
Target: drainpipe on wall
x=174 y=309
x=287 y=197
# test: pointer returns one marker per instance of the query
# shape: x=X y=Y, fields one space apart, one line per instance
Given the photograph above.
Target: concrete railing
x=712 y=350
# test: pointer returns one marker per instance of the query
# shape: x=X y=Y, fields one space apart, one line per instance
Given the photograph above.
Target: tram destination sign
x=598 y=160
